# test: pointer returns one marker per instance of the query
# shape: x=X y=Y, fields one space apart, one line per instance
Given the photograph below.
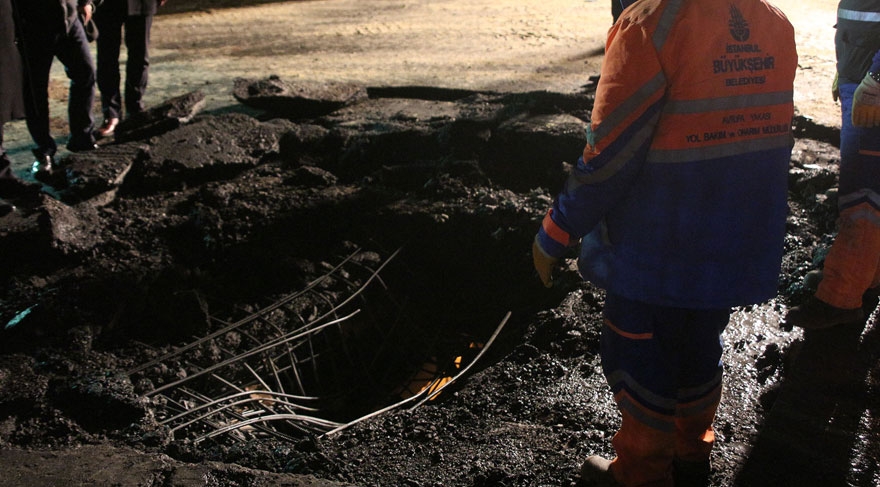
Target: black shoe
x=43 y=166
x=84 y=146
x=691 y=474
x=816 y=314
x=812 y=280
x=596 y=471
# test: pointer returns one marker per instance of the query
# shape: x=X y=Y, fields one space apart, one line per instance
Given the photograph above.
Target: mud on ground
x=158 y=241
x=419 y=203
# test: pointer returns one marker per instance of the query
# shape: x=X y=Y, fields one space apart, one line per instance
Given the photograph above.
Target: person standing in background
x=852 y=265
x=11 y=100
x=137 y=18
x=11 y=104
x=50 y=29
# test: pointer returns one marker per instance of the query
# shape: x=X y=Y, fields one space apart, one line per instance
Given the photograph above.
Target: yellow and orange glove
x=866 y=103
x=544 y=264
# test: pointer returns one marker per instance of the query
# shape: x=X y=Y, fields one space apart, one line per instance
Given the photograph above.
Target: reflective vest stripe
x=621 y=157
x=647 y=91
x=727 y=103
x=645 y=416
x=621 y=379
x=858 y=16
x=704 y=391
x=736 y=148
x=664 y=26
x=864 y=195
x=862 y=213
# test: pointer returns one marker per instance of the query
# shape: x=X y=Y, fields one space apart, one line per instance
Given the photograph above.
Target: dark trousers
x=72 y=49
x=5 y=164
x=137 y=41
x=616 y=9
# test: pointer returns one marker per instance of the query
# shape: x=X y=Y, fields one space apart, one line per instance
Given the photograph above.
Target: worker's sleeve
x=875 y=64
x=628 y=103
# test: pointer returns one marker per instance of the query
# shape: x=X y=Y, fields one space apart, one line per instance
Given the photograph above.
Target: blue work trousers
x=852 y=265
x=859 y=152
x=664 y=368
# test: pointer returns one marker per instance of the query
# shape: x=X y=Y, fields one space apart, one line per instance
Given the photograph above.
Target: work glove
x=835 y=87
x=544 y=264
x=866 y=103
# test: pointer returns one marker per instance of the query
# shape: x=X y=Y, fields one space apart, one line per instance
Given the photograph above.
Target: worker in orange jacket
x=679 y=204
x=852 y=265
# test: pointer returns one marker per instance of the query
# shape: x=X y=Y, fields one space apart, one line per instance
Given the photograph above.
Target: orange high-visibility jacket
x=681 y=190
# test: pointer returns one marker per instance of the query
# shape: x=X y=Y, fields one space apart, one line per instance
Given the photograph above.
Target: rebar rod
x=262 y=419
x=208 y=423
x=286 y=361
x=425 y=391
x=249 y=353
x=468 y=366
x=295 y=369
x=275 y=373
x=360 y=290
x=223 y=405
x=237 y=417
x=337 y=307
x=257 y=376
x=233 y=326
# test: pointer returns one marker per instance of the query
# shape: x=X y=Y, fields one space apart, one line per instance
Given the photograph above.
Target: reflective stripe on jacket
x=682 y=185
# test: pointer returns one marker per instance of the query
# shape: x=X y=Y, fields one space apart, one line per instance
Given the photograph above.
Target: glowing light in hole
x=426 y=377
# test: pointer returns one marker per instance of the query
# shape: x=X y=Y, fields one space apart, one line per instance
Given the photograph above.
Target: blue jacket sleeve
x=629 y=99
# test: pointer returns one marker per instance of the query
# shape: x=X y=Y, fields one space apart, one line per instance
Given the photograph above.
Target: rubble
x=157 y=241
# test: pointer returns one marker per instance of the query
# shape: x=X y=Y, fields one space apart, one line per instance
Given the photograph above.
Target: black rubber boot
x=817 y=315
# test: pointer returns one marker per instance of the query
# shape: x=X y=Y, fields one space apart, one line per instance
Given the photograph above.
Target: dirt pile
x=171 y=237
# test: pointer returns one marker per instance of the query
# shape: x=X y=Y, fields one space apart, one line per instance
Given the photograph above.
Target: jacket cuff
x=552 y=239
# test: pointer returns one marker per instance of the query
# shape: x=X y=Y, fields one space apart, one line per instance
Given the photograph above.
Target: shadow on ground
x=810 y=436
